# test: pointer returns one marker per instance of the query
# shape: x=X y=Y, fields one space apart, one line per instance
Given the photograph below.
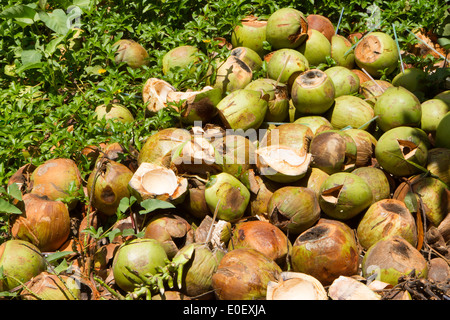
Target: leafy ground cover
x=58 y=65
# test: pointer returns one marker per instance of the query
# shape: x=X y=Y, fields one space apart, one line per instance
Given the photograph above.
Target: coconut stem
x=398 y=49
x=208 y=237
x=282 y=70
x=339 y=22
x=371 y=78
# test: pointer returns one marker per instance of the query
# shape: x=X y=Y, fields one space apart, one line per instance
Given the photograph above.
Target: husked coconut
x=282 y=163
x=155 y=92
x=296 y=286
x=156 y=182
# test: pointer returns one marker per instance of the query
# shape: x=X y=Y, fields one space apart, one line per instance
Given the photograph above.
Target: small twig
x=398 y=48
x=339 y=22
x=373 y=80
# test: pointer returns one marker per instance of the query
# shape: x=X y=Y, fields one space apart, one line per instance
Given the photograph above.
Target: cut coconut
x=155 y=92
x=347 y=288
x=197 y=105
x=156 y=182
x=196 y=156
x=281 y=163
x=296 y=286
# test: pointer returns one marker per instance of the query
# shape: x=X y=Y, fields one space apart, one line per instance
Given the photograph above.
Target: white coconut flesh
x=284 y=160
x=197 y=151
x=155 y=180
x=155 y=92
x=332 y=195
x=188 y=96
x=296 y=286
x=160 y=182
x=408 y=148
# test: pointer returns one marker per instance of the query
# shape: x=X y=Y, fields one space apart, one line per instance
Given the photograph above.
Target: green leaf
x=21 y=13
x=50 y=48
x=14 y=191
x=56 y=21
x=6 y=207
x=26 y=67
x=150 y=205
x=54 y=256
x=113 y=233
x=30 y=57
x=444 y=42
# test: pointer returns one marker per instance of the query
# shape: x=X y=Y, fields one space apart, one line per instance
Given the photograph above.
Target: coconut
x=196 y=156
x=294 y=135
x=438 y=164
x=425 y=195
x=202 y=263
x=285 y=65
x=196 y=105
x=249 y=56
x=399 y=144
x=316 y=48
x=342 y=52
x=243 y=109
x=293 y=209
x=172 y=231
x=151 y=181
x=373 y=89
x=143 y=256
x=49 y=286
x=232 y=74
x=281 y=163
x=344 y=195
x=235 y=154
x=385 y=218
x=442 y=134
x=57 y=179
x=377 y=52
x=45 y=223
x=316 y=123
x=392 y=258
x=159 y=147
x=351 y=111
x=154 y=94
x=227 y=196
x=326 y=251
x=296 y=286
x=107 y=185
x=321 y=23
x=262 y=236
x=377 y=181
x=345 y=81
x=243 y=274
x=412 y=79
x=180 y=57
x=313 y=92
x=365 y=146
x=433 y=110
x=131 y=53
x=333 y=151
x=313 y=180
x=286 y=28
x=278 y=103
x=250 y=33
x=348 y=288
x=20 y=261
x=115 y=112
x=397 y=107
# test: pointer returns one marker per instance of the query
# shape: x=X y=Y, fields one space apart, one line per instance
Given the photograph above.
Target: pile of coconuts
x=308 y=183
